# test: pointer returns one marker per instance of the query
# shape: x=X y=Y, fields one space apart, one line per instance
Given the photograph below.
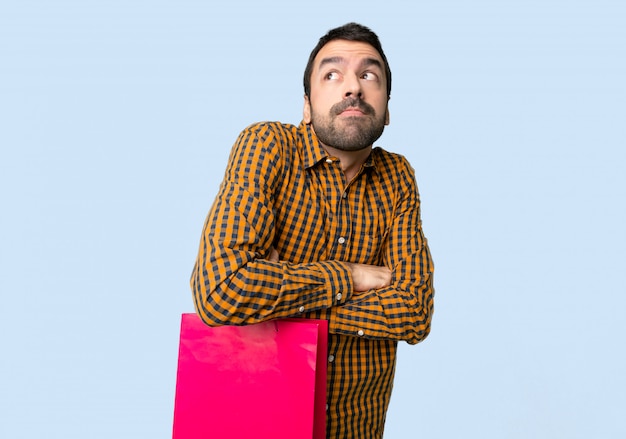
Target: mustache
x=352 y=102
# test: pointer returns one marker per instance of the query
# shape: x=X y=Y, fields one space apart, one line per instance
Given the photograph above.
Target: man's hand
x=364 y=277
x=369 y=277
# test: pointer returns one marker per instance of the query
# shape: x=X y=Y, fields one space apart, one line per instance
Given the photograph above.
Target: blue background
x=116 y=120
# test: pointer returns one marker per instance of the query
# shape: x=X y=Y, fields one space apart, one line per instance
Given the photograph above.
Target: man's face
x=348 y=103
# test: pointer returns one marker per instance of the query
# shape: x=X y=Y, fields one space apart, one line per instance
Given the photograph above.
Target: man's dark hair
x=348 y=32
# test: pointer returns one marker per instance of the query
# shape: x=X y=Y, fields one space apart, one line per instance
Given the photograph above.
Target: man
x=313 y=221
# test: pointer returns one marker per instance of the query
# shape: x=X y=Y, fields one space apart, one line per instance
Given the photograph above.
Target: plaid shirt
x=282 y=190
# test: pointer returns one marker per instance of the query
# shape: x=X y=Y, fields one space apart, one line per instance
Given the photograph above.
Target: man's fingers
x=369 y=277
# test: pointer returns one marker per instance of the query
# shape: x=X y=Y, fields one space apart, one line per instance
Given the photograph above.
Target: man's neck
x=351 y=161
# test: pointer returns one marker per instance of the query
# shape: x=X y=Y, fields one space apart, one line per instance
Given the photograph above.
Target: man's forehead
x=338 y=51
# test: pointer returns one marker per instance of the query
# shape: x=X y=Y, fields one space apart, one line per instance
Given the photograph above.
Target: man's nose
x=352 y=86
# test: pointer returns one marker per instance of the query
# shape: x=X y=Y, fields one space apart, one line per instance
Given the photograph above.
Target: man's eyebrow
x=332 y=60
x=371 y=62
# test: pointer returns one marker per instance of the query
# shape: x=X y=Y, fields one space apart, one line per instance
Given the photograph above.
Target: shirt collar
x=312 y=151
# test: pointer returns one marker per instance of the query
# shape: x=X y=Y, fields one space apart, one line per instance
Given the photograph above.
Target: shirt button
x=339 y=296
x=331 y=358
x=360 y=333
x=301 y=309
x=344 y=195
x=329 y=160
x=326 y=406
x=341 y=240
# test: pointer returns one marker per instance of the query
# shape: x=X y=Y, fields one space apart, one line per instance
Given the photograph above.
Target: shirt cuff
x=339 y=282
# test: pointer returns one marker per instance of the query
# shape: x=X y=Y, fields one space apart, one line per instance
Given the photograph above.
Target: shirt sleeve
x=402 y=311
x=233 y=282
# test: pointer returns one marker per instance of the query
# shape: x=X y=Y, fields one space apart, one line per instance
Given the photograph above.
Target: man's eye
x=331 y=75
x=369 y=76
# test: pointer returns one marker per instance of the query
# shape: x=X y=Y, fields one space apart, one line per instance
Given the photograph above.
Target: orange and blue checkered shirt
x=282 y=190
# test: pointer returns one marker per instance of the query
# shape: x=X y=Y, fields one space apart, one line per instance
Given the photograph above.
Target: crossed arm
x=240 y=279
x=364 y=276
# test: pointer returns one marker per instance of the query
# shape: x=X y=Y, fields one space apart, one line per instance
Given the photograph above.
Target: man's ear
x=306 y=111
x=387 y=112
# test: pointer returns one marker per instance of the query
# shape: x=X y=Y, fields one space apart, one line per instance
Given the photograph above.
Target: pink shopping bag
x=266 y=380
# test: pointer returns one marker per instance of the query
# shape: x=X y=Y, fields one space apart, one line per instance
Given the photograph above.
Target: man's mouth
x=352 y=112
